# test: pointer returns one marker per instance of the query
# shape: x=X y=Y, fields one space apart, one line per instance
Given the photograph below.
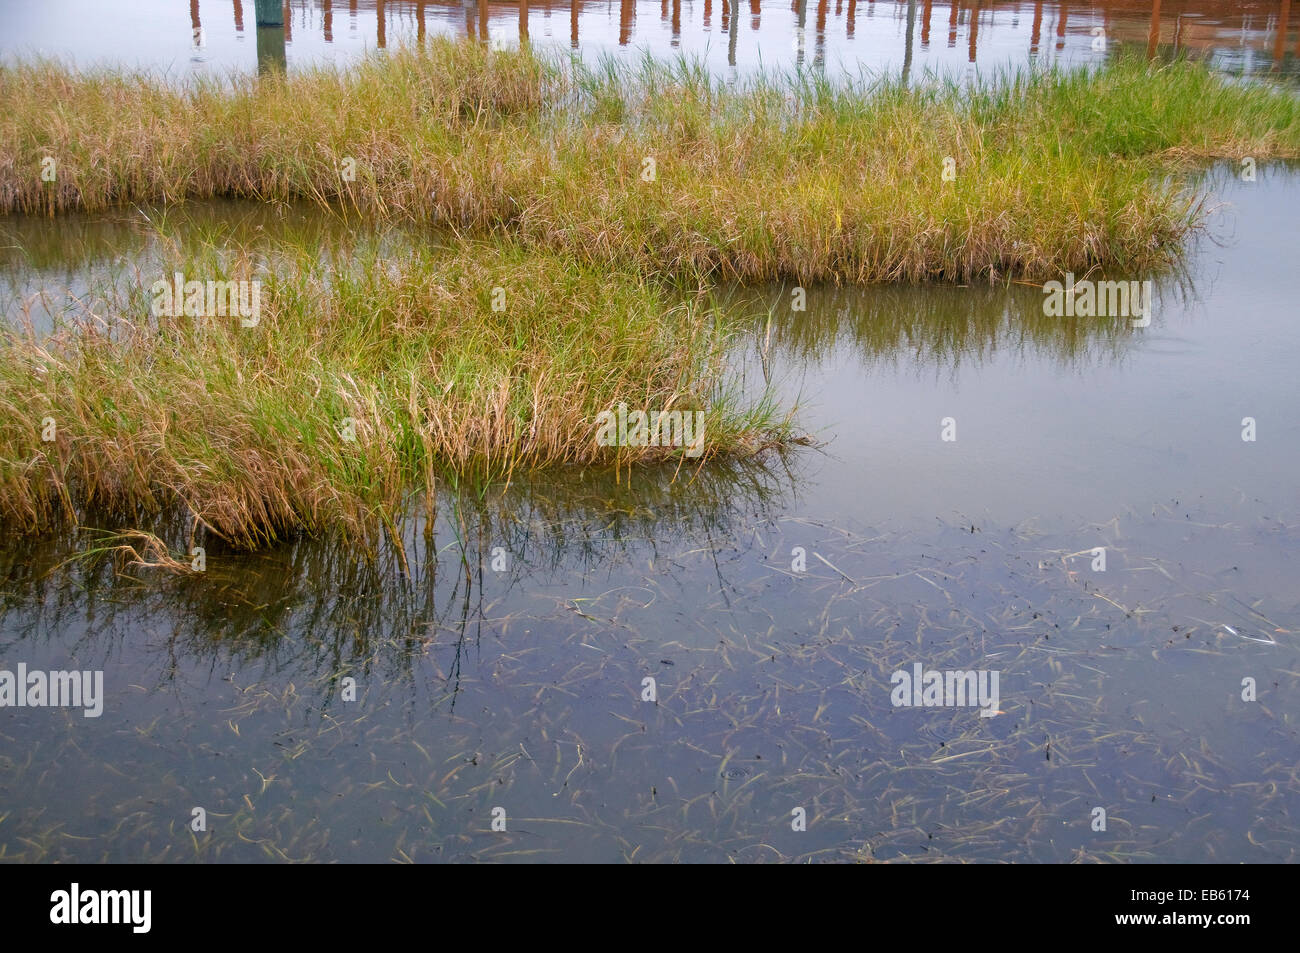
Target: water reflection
x=272 y=33
x=943 y=326
x=316 y=604
x=1254 y=37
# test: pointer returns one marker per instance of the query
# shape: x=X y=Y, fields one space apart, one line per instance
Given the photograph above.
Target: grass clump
x=364 y=377
x=786 y=177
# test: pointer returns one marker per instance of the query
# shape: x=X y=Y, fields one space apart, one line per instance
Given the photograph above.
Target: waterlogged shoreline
x=355 y=380
x=570 y=316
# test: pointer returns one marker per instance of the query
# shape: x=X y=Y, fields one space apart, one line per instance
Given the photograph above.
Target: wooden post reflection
x=1279 y=45
x=328 y=7
x=1153 y=35
x=573 y=24
x=382 y=26
x=755 y=14
x=239 y=17
x=677 y=22
x=483 y=20
x=974 y=28
x=1062 y=16
x=708 y=13
x=819 y=49
x=735 y=31
x=272 y=32
x=801 y=6
x=925 y=23
x=850 y=20
x=1036 y=33
x=952 y=24
x=626 y=14
x=523 y=22
x=907 y=49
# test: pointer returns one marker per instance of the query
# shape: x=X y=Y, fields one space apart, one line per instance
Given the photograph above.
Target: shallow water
x=207 y=36
x=505 y=667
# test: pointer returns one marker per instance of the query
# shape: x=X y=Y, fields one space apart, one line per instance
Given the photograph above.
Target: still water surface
x=205 y=36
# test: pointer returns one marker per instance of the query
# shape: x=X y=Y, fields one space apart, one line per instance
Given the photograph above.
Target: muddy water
x=503 y=675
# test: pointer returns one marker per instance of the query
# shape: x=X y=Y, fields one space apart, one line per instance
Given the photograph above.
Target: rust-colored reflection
x=1263 y=26
x=626 y=14
x=1279 y=45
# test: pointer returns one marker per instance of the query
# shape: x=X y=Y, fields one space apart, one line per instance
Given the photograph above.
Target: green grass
x=245 y=425
x=790 y=176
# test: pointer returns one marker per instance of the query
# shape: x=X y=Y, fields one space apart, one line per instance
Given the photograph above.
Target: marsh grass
x=799 y=176
x=248 y=427
x=535 y=165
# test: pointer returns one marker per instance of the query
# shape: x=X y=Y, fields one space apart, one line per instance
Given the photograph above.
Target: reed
x=364 y=376
x=799 y=176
